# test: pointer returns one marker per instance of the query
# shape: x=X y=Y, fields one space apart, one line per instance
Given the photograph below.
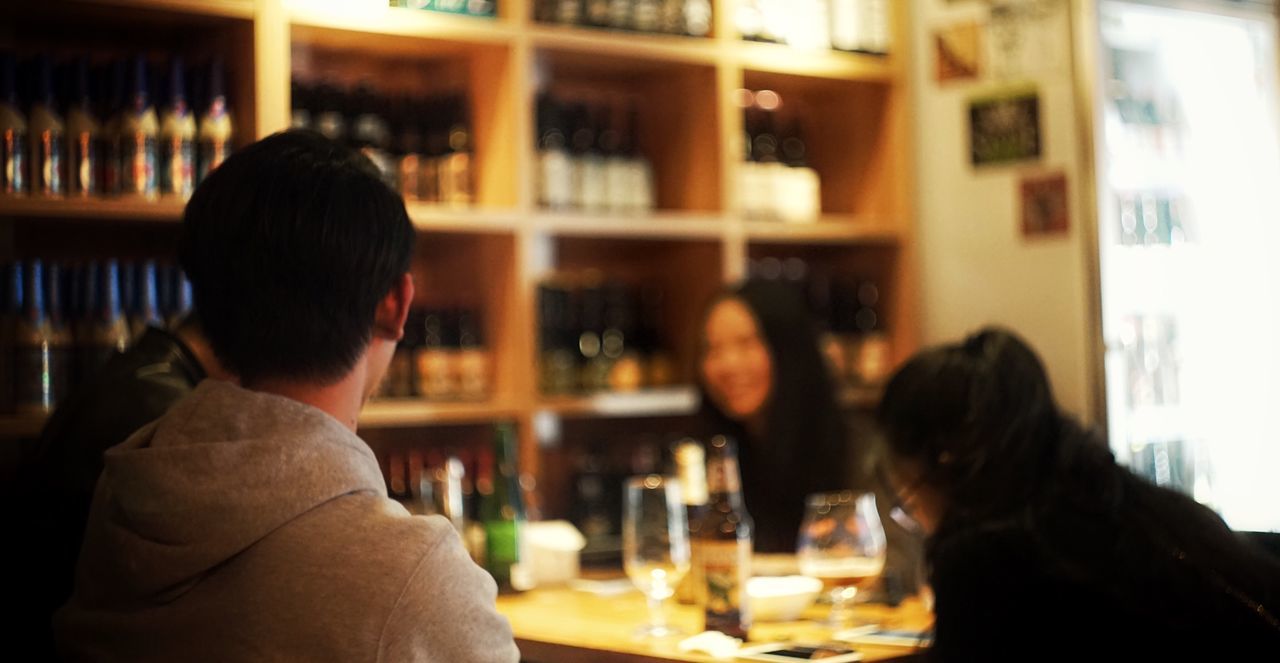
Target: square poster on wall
x=958 y=52
x=1043 y=201
x=1004 y=127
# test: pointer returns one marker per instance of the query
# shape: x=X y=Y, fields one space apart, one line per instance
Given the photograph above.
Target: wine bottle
x=216 y=129
x=40 y=350
x=458 y=162
x=139 y=129
x=177 y=137
x=724 y=533
x=46 y=135
x=13 y=131
x=555 y=169
x=83 y=133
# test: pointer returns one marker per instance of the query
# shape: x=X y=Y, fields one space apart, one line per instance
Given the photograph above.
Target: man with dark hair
x=249 y=522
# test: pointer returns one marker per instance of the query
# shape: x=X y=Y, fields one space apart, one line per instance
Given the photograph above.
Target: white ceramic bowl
x=783 y=598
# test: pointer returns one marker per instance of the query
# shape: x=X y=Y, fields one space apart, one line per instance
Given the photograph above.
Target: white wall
x=976 y=267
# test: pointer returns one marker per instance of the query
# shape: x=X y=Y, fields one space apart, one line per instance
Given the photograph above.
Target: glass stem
x=657 y=620
x=842 y=605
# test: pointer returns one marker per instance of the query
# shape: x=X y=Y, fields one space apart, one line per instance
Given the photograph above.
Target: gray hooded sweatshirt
x=243 y=526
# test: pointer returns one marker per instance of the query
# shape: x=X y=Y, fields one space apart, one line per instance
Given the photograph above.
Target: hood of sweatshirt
x=222 y=469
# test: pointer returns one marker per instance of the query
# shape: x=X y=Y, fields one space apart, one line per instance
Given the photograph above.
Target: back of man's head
x=290 y=245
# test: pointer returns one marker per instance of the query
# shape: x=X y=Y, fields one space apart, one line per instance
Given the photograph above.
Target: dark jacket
x=1146 y=574
x=131 y=390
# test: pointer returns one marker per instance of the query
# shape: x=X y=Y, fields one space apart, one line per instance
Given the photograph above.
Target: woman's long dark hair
x=979 y=419
x=802 y=446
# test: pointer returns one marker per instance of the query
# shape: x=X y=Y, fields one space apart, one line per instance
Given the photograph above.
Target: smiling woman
x=765 y=382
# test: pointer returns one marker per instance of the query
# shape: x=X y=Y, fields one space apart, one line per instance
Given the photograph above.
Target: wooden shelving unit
x=493 y=255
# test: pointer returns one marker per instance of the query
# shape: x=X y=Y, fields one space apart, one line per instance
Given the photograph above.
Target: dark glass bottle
x=46 y=134
x=502 y=513
x=216 y=128
x=139 y=132
x=39 y=366
x=82 y=136
x=724 y=534
x=13 y=130
x=177 y=165
x=108 y=330
x=555 y=169
x=146 y=306
x=458 y=162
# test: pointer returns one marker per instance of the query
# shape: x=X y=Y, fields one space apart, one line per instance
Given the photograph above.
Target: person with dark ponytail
x=1040 y=546
x=765 y=382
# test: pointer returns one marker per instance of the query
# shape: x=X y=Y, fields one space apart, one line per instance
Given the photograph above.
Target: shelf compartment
x=686 y=273
x=481 y=70
x=849 y=137
x=677 y=115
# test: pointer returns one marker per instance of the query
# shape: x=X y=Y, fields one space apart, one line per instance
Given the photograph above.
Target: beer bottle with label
x=724 y=538
x=690 y=458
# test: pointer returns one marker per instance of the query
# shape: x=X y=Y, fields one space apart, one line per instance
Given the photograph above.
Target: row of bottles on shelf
x=861 y=26
x=422 y=145
x=589 y=158
x=1149 y=347
x=847 y=310
x=1152 y=219
x=598 y=335
x=777 y=182
x=674 y=17
x=442 y=357
x=62 y=322
x=79 y=130
x=481 y=491
x=486 y=8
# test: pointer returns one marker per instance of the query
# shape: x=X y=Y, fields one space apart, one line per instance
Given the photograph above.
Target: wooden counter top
x=567 y=626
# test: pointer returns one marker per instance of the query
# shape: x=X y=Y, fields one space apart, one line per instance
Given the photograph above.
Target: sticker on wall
x=1027 y=38
x=1004 y=127
x=1044 y=205
x=958 y=52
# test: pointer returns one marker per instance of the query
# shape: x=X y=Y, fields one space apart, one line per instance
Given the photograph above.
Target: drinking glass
x=655 y=544
x=842 y=543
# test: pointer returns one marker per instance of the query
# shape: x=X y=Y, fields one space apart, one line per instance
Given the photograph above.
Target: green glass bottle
x=502 y=513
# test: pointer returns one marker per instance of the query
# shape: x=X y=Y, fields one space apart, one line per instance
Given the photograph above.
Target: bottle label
x=138 y=164
x=13 y=167
x=726 y=567
x=177 y=166
x=82 y=173
x=47 y=167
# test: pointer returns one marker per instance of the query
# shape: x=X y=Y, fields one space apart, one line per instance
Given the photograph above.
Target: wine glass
x=842 y=543
x=655 y=544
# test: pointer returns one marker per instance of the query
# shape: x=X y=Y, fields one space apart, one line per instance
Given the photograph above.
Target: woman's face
x=736 y=367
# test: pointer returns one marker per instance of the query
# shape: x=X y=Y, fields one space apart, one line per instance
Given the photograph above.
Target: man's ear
x=393 y=310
